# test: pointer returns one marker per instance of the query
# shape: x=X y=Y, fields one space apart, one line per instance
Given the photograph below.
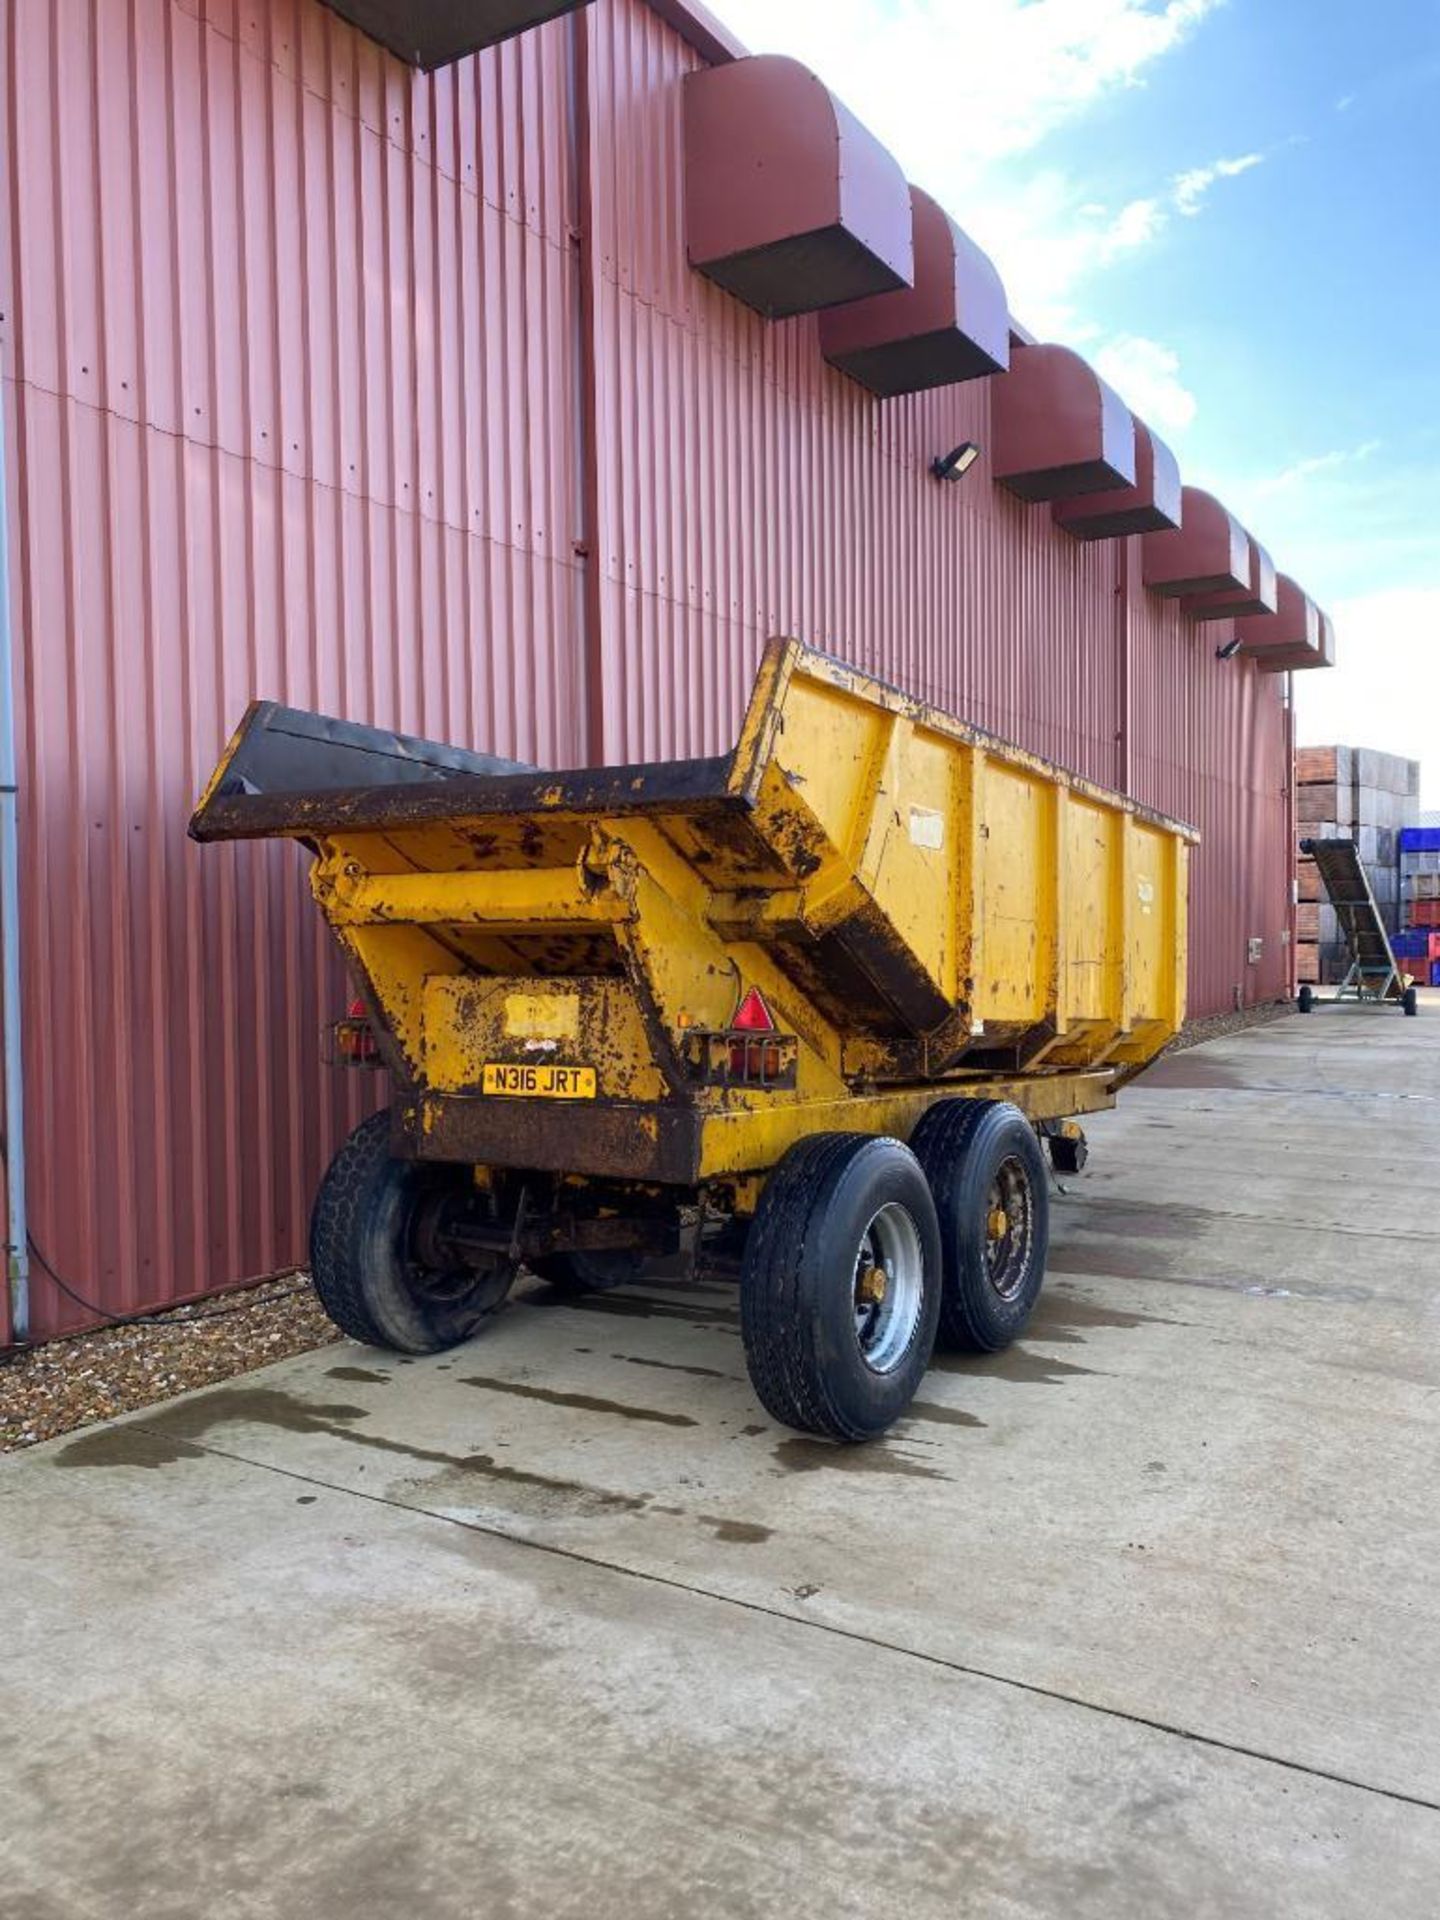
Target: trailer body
x=923 y=909
x=619 y=999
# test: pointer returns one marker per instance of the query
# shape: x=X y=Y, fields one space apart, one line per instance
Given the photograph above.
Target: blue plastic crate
x=1420 y=840
x=1413 y=945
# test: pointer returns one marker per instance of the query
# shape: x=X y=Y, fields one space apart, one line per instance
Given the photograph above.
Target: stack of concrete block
x=1359 y=794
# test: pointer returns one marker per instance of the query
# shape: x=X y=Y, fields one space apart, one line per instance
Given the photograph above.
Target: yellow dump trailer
x=806 y=1010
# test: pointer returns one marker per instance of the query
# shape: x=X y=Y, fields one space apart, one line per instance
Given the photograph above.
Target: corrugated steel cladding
x=293 y=348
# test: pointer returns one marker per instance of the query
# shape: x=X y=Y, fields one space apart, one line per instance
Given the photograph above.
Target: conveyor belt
x=1373 y=974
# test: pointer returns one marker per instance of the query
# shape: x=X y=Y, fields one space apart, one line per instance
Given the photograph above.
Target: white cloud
x=955 y=88
x=1190 y=188
x=1384 y=690
x=1146 y=375
x=1313 y=465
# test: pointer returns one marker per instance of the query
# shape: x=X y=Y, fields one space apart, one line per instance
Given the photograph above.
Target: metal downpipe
x=11 y=1029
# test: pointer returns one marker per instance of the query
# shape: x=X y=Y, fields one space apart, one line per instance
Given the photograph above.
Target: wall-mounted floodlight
x=1229 y=650
x=957 y=463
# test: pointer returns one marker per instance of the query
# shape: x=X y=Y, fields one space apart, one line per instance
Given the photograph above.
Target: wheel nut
x=870 y=1289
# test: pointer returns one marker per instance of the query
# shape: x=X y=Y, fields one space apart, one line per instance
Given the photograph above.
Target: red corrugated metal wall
x=287 y=345
x=292 y=345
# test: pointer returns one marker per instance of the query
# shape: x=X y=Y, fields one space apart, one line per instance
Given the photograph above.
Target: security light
x=956 y=464
x=1229 y=650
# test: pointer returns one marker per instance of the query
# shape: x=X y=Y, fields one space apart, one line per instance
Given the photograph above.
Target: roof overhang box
x=1296 y=636
x=1254 y=601
x=952 y=325
x=433 y=33
x=1301 y=659
x=1151 y=506
x=790 y=204
x=1209 y=552
x=1058 y=430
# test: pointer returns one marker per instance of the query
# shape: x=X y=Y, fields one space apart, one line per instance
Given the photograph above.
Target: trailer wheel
x=840 y=1287
x=1411 y=1002
x=986 y=1172
x=372 y=1254
x=577 y=1273
x=1305 y=1000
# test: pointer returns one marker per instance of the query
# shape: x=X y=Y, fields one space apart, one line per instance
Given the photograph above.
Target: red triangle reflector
x=752 y=1015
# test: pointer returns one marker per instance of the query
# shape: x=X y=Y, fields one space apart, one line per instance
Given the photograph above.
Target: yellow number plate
x=541 y=1082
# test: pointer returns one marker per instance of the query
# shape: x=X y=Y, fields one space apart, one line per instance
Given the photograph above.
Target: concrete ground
x=1141 y=1619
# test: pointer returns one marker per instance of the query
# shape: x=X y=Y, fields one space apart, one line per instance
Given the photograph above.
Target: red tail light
x=752 y=1015
x=752 y=1060
x=351 y=1042
x=750 y=1052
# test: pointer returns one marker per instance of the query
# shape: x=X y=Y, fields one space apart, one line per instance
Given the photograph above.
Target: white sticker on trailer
x=927 y=828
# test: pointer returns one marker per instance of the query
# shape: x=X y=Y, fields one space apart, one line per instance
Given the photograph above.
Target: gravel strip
x=1196 y=1032
x=93 y=1376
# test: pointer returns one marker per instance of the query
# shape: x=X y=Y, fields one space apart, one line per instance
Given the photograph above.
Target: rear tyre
x=1305 y=1000
x=985 y=1169
x=375 y=1256
x=840 y=1287
x=577 y=1273
x=1411 y=1002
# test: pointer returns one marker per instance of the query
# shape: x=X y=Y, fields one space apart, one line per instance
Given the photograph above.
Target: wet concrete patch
x=1060 y=1316
x=580 y=1402
x=1192 y=1069
x=1017 y=1363
x=1111 y=1260
x=187 y=1423
x=736 y=1533
x=125 y=1447
x=941 y=1416
x=636 y=1306
x=358 y=1376
x=673 y=1366
x=828 y=1456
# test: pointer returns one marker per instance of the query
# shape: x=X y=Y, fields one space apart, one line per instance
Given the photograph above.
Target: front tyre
x=840 y=1287
x=1305 y=1000
x=377 y=1258
x=1411 y=1002
x=986 y=1171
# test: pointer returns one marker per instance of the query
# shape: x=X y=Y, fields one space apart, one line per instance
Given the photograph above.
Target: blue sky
x=1233 y=208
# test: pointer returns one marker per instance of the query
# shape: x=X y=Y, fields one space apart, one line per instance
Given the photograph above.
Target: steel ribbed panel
x=1211 y=744
x=288 y=347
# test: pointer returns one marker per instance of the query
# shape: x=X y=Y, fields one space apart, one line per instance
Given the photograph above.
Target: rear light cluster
x=352 y=1041
x=747 y=1053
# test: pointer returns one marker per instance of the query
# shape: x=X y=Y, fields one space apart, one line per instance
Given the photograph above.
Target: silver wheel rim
x=889 y=1288
x=1009 y=1229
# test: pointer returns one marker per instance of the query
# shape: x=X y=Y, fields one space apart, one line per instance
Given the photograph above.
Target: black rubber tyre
x=364 y=1259
x=981 y=1157
x=827 y=1215
x=1305 y=1000
x=578 y=1273
x=1411 y=1002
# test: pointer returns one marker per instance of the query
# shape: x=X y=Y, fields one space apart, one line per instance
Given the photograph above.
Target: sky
x=1232 y=208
